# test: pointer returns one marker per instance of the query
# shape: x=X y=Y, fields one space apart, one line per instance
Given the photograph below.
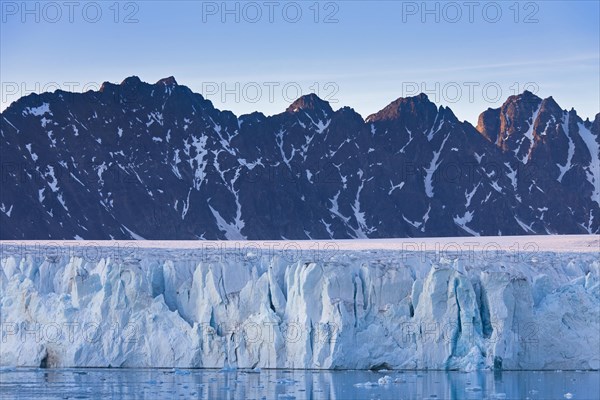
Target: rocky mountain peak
x=169 y=81
x=405 y=107
x=131 y=81
x=310 y=102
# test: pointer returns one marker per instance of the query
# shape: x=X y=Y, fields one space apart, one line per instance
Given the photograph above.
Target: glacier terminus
x=358 y=305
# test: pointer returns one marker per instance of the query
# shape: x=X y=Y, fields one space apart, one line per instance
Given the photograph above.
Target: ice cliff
x=357 y=309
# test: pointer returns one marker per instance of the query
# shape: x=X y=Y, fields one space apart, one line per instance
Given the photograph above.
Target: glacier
x=345 y=309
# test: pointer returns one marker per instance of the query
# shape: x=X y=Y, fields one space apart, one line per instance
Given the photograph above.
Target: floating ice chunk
x=366 y=385
x=286 y=381
x=181 y=372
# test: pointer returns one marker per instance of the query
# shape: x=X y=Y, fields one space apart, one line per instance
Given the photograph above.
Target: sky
x=261 y=55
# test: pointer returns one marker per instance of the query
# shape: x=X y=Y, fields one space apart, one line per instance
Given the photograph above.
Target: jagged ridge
x=159 y=161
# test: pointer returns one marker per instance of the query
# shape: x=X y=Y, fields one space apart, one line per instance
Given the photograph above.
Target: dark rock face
x=160 y=162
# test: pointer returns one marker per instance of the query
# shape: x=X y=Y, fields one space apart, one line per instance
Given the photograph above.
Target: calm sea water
x=284 y=384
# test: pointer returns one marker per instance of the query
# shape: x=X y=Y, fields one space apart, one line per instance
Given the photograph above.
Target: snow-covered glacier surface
x=327 y=309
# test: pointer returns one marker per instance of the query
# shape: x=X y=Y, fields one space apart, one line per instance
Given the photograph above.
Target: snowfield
x=455 y=303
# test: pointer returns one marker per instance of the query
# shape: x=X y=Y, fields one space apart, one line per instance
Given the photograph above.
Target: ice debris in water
x=181 y=372
x=383 y=381
x=286 y=381
x=366 y=384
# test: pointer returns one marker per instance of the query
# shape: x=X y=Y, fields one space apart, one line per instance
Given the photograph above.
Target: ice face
x=355 y=309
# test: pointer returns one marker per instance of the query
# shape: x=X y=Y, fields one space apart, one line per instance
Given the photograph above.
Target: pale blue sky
x=376 y=52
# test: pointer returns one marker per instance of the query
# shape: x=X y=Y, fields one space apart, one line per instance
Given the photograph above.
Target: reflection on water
x=285 y=384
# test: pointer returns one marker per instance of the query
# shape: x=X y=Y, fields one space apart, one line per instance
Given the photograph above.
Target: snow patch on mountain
x=593 y=169
x=570 y=152
x=38 y=111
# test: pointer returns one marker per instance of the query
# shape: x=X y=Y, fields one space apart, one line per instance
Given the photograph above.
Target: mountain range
x=157 y=161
